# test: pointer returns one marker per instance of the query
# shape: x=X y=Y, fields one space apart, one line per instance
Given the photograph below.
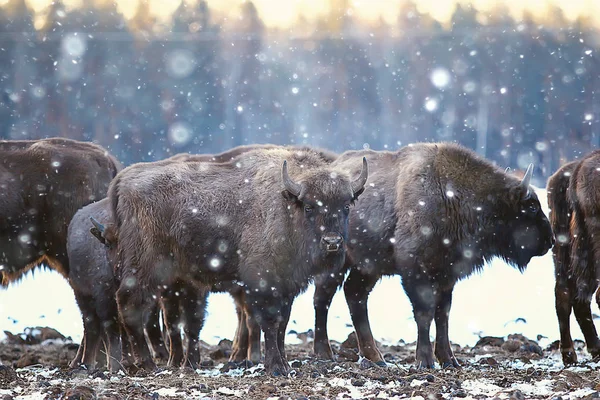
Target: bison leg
x=79 y=356
x=356 y=290
x=583 y=314
x=155 y=336
x=286 y=310
x=443 y=350
x=194 y=311
x=239 y=350
x=172 y=321
x=421 y=295
x=134 y=308
x=109 y=317
x=325 y=288
x=254 y=353
x=564 y=305
x=92 y=330
x=268 y=312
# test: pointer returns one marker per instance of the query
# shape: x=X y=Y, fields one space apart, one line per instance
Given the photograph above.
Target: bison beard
x=436 y=213
x=573 y=201
x=61 y=176
x=246 y=220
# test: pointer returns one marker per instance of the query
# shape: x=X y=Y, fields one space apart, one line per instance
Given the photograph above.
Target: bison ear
x=98 y=235
x=288 y=195
x=518 y=194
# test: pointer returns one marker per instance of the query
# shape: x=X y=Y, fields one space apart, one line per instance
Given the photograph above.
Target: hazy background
x=516 y=80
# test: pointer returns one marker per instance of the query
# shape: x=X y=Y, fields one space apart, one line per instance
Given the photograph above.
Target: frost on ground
x=502 y=368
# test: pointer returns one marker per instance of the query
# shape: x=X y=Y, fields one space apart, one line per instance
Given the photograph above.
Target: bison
x=42 y=184
x=245 y=221
x=90 y=265
x=435 y=213
x=574 y=212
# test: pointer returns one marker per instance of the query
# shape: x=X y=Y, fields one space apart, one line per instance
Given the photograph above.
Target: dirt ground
x=509 y=368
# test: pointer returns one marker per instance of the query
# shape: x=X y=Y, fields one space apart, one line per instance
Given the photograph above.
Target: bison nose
x=332 y=241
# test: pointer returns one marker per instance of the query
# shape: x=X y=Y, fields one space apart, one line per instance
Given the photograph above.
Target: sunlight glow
x=284 y=14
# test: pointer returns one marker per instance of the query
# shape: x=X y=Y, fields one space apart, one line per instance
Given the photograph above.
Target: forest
x=515 y=90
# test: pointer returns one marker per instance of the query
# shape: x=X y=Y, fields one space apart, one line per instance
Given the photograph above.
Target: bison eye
x=308 y=209
x=534 y=208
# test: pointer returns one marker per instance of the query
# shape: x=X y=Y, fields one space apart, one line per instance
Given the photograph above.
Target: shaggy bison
x=93 y=257
x=42 y=184
x=574 y=214
x=244 y=221
x=434 y=214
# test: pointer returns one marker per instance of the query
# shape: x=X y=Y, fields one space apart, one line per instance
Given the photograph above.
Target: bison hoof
x=425 y=365
x=569 y=357
x=451 y=364
x=245 y=364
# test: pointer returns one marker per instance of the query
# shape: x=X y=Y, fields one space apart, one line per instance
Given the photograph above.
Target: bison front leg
x=254 y=352
x=443 y=350
x=325 y=288
x=583 y=314
x=156 y=338
x=172 y=320
x=92 y=333
x=564 y=305
x=134 y=309
x=357 y=289
x=422 y=297
x=269 y=314
x=286 y=310
x=239 y=351
x=194 y=311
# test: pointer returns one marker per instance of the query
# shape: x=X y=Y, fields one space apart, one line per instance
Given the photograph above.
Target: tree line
x=515 y=91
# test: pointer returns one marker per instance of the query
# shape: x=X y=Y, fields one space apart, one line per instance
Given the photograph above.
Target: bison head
x=320 y=203
x=107 y=235
x=523 y=230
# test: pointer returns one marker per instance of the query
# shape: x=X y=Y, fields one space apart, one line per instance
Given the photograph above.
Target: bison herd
x=262 y=222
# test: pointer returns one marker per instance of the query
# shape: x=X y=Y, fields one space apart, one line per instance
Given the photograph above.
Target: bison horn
x=507 y=170
x=359 y=184
x=97 y=224
x=291 y=186
x=527 y=177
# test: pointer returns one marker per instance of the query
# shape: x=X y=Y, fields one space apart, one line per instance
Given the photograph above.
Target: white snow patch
x=481 y=387
x=168 y=392
x=229 y=392
x=541 y=388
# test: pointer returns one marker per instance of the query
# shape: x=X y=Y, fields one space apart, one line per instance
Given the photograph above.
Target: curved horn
x=291 y=186
x=97 y=224
x=527 y=177
x=507 y=170
x=359 y=184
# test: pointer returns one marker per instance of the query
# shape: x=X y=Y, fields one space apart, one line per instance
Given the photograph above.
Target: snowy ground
x=488 y=304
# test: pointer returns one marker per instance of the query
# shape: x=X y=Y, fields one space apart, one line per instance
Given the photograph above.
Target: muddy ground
x=504 y=368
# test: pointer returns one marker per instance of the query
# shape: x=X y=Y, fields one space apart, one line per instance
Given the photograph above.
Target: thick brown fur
x=42 y=184
x=236 y=221
x=573 y=194
x=435 y=213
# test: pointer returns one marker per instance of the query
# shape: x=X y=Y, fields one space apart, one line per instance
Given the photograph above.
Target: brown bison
x=574 y=212
x=245 y=221
x=94 y=285
x=42 y=184
x=435 y=213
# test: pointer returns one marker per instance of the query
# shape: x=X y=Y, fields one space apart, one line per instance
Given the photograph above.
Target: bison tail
x=560 y=219
x=581 y=268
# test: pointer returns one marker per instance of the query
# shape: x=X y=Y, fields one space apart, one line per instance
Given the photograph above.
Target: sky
x=283 y=13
